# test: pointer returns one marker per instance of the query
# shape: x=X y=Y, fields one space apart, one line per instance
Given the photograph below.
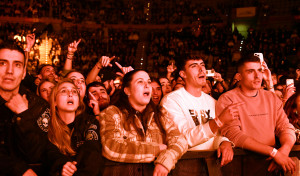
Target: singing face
x=139 y=91
x=194 y=73
x=67 y=98
x=156 y=92
x=165 y=85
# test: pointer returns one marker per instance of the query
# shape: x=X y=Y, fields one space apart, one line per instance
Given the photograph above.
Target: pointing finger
x=78 y=42
x=112 y=58
x=120 y=66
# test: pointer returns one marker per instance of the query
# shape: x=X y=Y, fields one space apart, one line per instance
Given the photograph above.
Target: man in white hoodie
x=193 y=112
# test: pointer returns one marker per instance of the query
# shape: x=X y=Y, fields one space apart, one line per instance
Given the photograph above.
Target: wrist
x=70 y=56
x=218 y=122
x=27 y=49
x=270 y=87
x=98 y=65
x=273 y=153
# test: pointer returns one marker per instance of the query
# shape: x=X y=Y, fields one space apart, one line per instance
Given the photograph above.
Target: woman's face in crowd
x=156 y=92
x=67 y=98
x=165 y=85
x=45 y=90
x=79 y=81
x=139 y=92
x=178 y=86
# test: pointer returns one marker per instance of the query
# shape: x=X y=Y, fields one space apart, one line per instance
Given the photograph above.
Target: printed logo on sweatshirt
x=91 y=135
x=203 y=114
x=43 y=120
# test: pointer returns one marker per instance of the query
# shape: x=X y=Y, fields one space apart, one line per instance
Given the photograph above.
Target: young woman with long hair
x=134 y=133
x=75 y=142
x=156 y=91
x=292 y=110
x=45 y=88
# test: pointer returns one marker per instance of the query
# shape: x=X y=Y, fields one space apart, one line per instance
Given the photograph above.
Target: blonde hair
x=58 y=132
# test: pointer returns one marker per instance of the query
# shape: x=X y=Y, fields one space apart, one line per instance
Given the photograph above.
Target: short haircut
x=245 y=59
x=184 y=59
x=94 y=84
x=12 y=46
x=42 y=66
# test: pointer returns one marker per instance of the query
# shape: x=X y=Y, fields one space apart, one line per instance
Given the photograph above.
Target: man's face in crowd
x=12 y=70
x=194 y=73
x=251 y=75
x=100 y=95
x=48 y=73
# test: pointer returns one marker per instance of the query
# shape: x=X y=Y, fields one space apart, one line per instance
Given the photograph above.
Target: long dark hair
x=130 y=113
x=290 y=110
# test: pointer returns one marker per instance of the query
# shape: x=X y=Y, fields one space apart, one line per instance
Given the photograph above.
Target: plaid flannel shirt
x=128 y=146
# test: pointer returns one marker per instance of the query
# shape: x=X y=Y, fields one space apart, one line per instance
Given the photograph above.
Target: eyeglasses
x=65 y=91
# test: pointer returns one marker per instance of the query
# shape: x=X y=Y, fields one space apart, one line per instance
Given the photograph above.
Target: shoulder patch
x=43 y=120
x=93 y=126
x=91 y=135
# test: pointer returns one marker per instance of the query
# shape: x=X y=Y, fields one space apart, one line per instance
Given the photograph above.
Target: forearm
x=68 y=64
x=270 y=85
x=253 y=145
x=169 y=75
x=91 y=77
x=287 y=142
x=224 y=85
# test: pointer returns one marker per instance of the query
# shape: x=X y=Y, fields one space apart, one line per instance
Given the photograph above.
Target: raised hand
x=288 y=91
x=30 y=40
x=72 y=48
x=94 y=104
x=104 y=61
x=267 y=75
x=218 y=77
x=171 y=68
x=124 y=69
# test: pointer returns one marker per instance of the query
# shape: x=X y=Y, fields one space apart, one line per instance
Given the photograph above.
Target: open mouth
x=70 y=102
x=155 y=98
x=201 y=77
x=146 y=93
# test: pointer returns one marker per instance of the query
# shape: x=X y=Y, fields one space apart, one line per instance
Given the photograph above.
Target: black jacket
x=86 y=142
x=23 y=137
